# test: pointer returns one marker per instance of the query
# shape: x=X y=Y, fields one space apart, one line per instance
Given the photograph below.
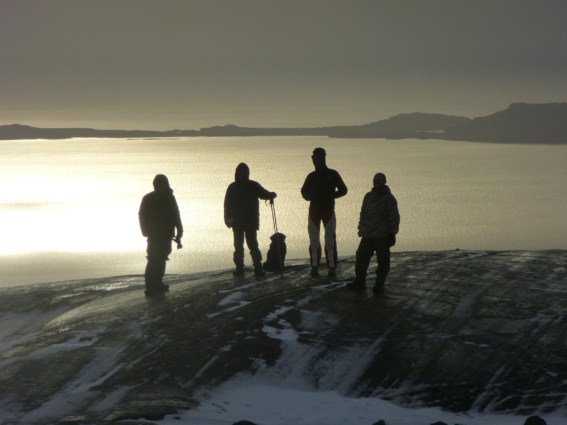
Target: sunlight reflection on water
x=68 y=208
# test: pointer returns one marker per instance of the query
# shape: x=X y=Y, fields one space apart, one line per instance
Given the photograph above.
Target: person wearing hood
x=321 y=188
x=378 y=226
x=242 y=214
x=159 y=219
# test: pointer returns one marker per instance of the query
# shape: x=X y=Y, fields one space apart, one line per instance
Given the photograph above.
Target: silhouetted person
x=379 y=223
x=159 y=219
x=321 y=188
x=242 y=213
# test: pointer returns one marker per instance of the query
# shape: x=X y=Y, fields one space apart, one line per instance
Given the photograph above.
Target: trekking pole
x=277 y=236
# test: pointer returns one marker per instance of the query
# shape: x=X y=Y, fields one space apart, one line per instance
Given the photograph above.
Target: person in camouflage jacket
x=378 y=226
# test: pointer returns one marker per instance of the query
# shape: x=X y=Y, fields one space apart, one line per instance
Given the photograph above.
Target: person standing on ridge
x=242 y=214
x=378 y=226
x=159 y=218
x=321 y=188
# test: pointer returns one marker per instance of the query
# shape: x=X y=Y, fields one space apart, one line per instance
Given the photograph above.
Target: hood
x=383 y=190
x=165 y=194
x=242 y=166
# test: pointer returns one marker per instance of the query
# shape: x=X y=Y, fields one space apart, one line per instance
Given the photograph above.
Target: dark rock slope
x=461 y=330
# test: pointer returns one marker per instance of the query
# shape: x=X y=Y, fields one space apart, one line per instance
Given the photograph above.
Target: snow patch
x=271 y=405
x=80 y=391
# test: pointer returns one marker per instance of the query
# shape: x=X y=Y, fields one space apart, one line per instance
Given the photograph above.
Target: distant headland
x=544 y=123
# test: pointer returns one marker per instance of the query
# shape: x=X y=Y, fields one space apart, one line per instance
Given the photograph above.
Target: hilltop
x=477 y=332
x=520 y=123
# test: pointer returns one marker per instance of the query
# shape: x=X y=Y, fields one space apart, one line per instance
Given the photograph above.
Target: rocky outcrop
x=520 y=123
x=460 y=330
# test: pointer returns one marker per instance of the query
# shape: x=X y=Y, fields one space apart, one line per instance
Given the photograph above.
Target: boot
x=239 y=271
x=259 y=272
x=357 y=285
x=314 y=272
x=332 y=272
x=378 y=286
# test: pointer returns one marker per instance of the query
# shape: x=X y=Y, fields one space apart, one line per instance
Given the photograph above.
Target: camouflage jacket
x=379 y=215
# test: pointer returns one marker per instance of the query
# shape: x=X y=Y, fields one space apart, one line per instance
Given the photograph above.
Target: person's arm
x=306 y=189
x=262 y=193
x=143 y=217
x=362 y=215
x=340 y=185
x=393 y=216
x=228 y=208
x=177 y=221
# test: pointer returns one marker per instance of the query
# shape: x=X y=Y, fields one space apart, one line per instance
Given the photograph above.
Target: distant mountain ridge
x=520 y=123
x=19 y=132
x=544 y=123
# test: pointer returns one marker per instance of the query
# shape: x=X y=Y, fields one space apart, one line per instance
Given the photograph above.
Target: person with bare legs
x=321 y=188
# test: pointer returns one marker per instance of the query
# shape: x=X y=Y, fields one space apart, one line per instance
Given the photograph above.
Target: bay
x=68 y=208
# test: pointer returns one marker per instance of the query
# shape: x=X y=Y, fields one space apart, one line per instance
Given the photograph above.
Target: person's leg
x=330 y=223
x=363 y=255
x=313 y=227
x=252 y=243
x=238 y=256
x=383 y=258
x=165 y=246
x=158 y=251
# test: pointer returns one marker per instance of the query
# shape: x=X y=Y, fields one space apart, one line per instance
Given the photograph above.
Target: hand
x=359 y=234
x=391 y=240
x=273 y=195
x=177 y=240
x=229 y=222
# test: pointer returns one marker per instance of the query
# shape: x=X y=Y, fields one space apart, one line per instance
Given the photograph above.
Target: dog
x=272 y=262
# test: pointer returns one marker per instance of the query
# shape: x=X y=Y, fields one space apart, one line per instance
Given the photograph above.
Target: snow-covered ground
x=246 y=399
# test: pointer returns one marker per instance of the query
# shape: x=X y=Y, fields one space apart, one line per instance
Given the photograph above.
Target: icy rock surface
x=460 y=330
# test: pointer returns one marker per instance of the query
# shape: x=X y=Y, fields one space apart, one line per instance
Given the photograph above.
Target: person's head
x=318 y=157
x=161 y=183
x=242 y=172
x=379 y=180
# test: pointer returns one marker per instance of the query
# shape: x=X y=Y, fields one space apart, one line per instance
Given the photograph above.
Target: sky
x=189 y=64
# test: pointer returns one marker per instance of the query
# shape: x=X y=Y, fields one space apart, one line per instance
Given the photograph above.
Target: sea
x=69 y=208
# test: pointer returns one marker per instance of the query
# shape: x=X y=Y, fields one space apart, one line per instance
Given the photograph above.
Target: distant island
x=544 y=123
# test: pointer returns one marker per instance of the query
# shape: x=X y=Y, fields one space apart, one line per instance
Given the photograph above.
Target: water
x=68 y=208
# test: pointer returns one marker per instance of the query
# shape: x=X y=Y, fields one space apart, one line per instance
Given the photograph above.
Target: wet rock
x=73 y=420
x=453 y=329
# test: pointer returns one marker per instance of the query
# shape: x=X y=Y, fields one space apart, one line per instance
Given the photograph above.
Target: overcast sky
x=187 y=64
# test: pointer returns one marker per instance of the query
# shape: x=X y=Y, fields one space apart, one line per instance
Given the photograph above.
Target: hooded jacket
x=159 y=215
x=379 y=215
x=241 y=200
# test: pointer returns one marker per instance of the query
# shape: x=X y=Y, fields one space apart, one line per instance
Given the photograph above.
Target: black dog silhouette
x=272 y=263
